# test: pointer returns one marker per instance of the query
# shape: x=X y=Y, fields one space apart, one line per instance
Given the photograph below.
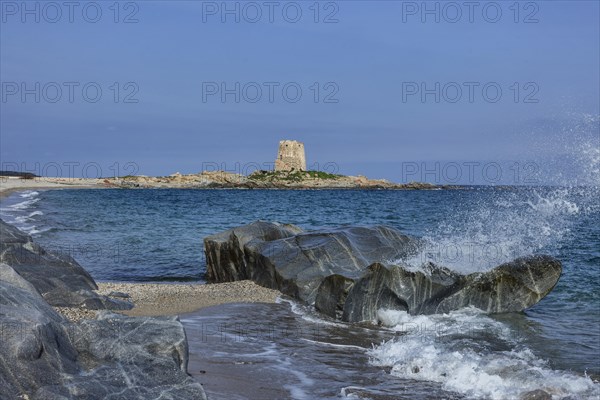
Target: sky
x=486 y=93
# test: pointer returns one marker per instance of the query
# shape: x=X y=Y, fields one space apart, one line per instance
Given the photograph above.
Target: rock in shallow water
x=351 y=272
x=510 y=287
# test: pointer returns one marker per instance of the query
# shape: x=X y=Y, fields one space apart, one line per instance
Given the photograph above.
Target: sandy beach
x=152 y=299
x=155 y=299
x=11 y=184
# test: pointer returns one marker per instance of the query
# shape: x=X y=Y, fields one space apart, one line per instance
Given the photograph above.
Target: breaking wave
x=472 y=354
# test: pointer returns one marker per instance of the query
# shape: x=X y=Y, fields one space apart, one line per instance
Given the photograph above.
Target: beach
x=152 y=299
x=9 y=184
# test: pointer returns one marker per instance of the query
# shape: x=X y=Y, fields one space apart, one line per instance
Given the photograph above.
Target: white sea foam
x=21 y=214
x=29 y=194
x=334 y=345
x=24 y=204
x=298 y=390
x=33 y=230
x=28 y=217
x=308 y=313
x=451 y=349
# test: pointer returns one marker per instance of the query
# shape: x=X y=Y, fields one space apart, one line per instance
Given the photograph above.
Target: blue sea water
x=156 y=235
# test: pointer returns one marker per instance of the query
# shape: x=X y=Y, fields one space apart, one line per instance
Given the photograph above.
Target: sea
x=156 y=235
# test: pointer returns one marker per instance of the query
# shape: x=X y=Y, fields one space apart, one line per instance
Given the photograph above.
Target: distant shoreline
x=309 y=180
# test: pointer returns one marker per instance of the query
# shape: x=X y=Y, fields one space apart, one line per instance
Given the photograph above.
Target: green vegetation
x=291 y=176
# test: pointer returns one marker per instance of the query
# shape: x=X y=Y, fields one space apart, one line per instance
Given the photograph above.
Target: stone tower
x=290 y=156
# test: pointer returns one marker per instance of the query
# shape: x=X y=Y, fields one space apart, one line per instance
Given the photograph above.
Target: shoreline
x=10 y=185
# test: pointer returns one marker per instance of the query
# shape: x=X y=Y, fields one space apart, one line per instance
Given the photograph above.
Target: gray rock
x=150 y=355
x=295 y=262
x=35 y=346
x=44 y=356
x=351 y=272
x=332 y=295
x=510 y=287
x=56 y=276
x=225 y=251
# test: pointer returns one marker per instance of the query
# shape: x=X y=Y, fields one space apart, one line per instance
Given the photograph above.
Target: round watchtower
x=290 y=156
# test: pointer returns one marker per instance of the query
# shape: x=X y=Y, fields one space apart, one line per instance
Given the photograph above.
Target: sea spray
x=503 y=224
x=481 y=357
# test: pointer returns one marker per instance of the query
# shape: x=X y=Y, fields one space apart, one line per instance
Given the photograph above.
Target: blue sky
x=367 y=118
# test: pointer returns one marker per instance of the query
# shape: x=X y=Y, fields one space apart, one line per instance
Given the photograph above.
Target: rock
x=284 y=258
x=510 y=287
x=43 y=356
x=332 y=294
x=225 y=251
x=56 y=276
x=352 y=272
x=282 y=178
x=151 y=354
x=35 y=347
x=298 y=264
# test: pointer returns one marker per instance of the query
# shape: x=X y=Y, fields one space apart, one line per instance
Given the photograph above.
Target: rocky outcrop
x=510 y=287
x=351 y=272
x=285 y=258
x=56 y=276
x=43 y=356
x=225 y=258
